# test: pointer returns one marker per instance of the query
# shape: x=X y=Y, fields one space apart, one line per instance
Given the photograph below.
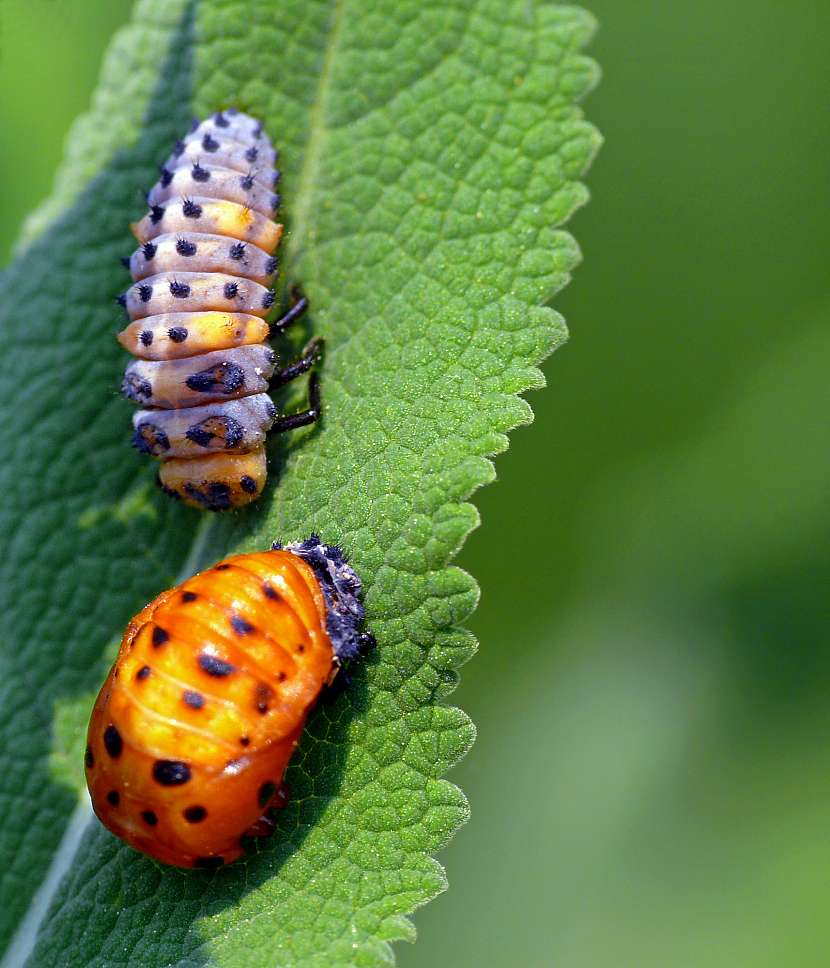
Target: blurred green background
x=651 y=782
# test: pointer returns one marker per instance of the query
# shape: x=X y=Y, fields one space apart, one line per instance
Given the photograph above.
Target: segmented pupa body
x=201 y=290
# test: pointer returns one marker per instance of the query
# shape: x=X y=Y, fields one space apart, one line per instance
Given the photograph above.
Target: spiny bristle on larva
x=202 y=284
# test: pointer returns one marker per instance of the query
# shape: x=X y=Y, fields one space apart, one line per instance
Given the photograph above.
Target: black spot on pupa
x=89 y=759
x=271 y=265
x=178 y=148
x=171 y=772
x=185 y=247
x=189 y=596
x=194 y=124
x=121 y=299
x=270 y=591
x=269 y=299
x=237 y=251
x=209 y=863
x=125 y=261
x=193 y=699
x=215 y=667
x=145 y=292
x=248 y=484
x=240 y=625
x=276 y=201
x=194 y=814
x=156 y=214
x=231 y=111
x=231 y=290
x=191 y=209
x=251 y=154
x=270 y=410
x=149 y=817
x=160 y=636
x=220 y=120
x=247 y=181
x=166 y=177
x=148 y=250
x=199 y=174
x=225 y=377
x=271 y=356
x=113 y=799
x=177 y=334
x=282 y=676
x=146 y=337
x=277 y=176
x=113 y=743
x=261 y=697
x=301 y=648
x=266 y=791
x=222 y=567
x=244 y=740
x=180 y=290
x=210 y=143
x=142 y=673
x=258 y=130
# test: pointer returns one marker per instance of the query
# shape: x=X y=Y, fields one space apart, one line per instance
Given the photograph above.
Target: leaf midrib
x=312 y=156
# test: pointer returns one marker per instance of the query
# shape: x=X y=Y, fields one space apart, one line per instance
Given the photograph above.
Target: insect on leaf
x=430 y=155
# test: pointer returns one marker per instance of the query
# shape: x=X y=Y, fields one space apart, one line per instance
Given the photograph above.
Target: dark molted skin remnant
x=211 y=217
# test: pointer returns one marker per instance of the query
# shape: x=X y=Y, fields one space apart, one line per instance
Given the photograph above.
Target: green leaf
x=429 y=155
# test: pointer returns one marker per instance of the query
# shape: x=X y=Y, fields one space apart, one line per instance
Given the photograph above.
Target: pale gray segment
x=201 y=252
x=230 y=426
x=212 y=181
x=239 y=126
x=191 y=292
x=194 y=380
x=222 y=150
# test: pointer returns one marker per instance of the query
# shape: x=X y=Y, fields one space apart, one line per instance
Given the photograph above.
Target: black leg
x=298 y=308
x=293 y=420
x=312 y=352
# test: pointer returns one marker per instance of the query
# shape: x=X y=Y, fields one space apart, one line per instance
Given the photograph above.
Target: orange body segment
x=216 y=481
x=215 y=216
